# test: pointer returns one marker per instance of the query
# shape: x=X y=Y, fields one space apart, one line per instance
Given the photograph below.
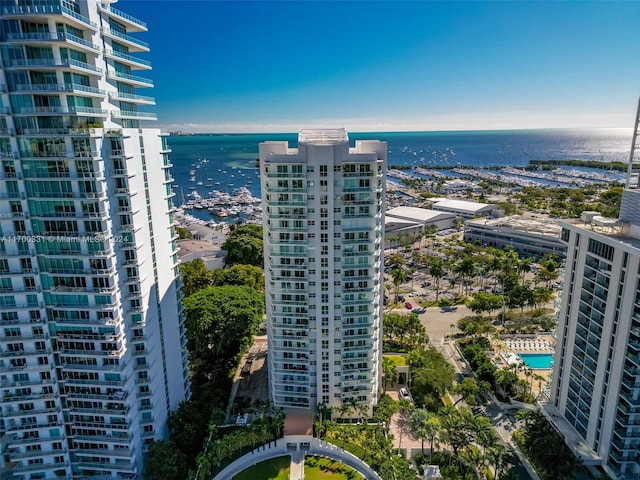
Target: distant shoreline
x=417 y=132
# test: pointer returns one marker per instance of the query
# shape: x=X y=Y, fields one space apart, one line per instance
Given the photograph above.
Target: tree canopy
x=220 y=324
x=244 y=245
x=248 y=275
x=432 y=376
x=195 y=276
x=163 y=461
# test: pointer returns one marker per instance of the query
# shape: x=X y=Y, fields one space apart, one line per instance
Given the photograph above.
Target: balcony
x=44 y=8
x=7 y=131
x=50 y=37
x=135 y=62
x=129 y=115
x=63 y=110
x=133 y=43
x=128 y=208
x=26 y=413
x=133 y=79
x=53 y=63
x=128 y=97
x=132 y=22
x=56 y=88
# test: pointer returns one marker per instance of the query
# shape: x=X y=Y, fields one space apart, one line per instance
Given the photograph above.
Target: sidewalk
x=296 y=471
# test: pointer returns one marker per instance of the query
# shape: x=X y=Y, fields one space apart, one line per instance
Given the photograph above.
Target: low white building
x=529 y=236
x=459 y=185
x=466 y=208
x=212 y=255
x=411 y=221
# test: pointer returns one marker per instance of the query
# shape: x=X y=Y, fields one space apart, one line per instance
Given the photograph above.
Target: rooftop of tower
x=323 y=136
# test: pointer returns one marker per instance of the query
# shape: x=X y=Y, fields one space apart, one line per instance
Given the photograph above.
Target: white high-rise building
x=92 y=344
x=595 y=391
x=323 y=218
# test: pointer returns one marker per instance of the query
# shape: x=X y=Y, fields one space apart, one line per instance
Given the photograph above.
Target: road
x=440 y=326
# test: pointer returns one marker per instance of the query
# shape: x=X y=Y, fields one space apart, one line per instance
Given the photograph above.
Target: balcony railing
x=52 y=37
x=62 y=109
x=129 y=97
x=39 y=7
x=125 y=37
x=129 y=58
x=54 y=87
x=52 y=62
x=108 y=8
x=131 y=78
x=130 y=114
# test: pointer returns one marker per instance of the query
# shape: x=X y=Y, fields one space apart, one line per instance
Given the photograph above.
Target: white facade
x=407 y=222
x=465 y=208
x=529 y=236
x=323 y=218
x=596 y=379
x=92 y=335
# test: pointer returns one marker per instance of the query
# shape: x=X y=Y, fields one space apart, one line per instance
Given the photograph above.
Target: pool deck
x=515 y=345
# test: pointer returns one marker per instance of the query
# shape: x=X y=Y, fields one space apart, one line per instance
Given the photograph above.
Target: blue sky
x=268 y=66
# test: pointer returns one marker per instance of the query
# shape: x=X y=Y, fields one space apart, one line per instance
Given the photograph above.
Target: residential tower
x=323 y=218
x=92 y=334
x=595 y=391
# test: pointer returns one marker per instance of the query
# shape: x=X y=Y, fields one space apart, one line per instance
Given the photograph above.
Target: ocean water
x=230 y=160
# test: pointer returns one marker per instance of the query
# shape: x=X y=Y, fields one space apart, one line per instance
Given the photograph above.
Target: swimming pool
x=537 y=360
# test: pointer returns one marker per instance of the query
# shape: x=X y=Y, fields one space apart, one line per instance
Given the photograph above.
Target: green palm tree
x=467 y=269
x=455 y=430
x=412 y=270
x=524 y=267
x=398 y=276
x=483 y=432
x=496 y=455
x=389 y=371
x=436 y=270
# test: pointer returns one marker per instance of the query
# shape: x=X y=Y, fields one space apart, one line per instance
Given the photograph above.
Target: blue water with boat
x=203 y=163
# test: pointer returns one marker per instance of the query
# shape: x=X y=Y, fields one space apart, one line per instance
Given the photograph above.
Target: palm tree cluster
x=466 y=265
x=472 y=439
x=403 y=332
x=548 y=452
x=571 y=202
x=235 y=444
x=505 y=381
x=369 y=441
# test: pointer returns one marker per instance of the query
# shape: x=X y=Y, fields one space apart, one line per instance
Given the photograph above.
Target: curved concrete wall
x=282 y=446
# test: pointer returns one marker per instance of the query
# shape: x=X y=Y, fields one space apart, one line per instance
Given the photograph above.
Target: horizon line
x=186 y=133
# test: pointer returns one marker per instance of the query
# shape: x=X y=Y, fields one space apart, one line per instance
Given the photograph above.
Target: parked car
x=404 y=393
x=447 y=308
x=408 y=305
x=419 y=310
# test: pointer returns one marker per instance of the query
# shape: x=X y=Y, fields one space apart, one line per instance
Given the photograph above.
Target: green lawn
x=274 y=469
x=398 y=360
x=317 y=468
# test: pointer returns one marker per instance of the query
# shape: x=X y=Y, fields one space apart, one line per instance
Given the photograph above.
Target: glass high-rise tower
x=323 y=217
x=595 y=392
x=92 y=344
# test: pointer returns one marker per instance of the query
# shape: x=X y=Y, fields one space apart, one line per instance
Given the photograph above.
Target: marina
x=240 y=204
x=205 y=166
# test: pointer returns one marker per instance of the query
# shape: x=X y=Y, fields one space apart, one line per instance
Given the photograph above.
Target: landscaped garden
x=319 y=468
x=273 y=469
